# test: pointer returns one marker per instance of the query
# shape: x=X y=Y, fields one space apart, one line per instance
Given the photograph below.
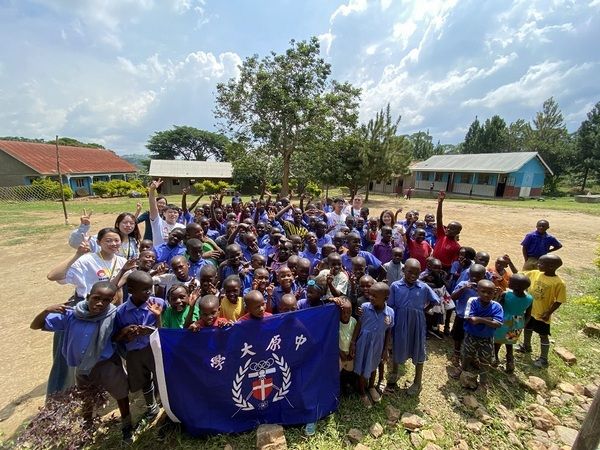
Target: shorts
x=140 y=368
x=541 y=328
x=108 y=375
x=458 y=329
x=477 y=348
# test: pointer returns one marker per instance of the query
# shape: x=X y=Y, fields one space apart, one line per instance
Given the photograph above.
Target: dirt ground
x=25 y=355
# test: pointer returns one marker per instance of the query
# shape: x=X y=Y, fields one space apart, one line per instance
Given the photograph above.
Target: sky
x=116 y=71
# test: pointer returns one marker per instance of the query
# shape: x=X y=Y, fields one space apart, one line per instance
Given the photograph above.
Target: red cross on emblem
x=261 y=388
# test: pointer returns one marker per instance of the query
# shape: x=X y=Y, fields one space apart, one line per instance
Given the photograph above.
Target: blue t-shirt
x=475 y=308
x=165 y=254
x=130 y=314
x=537 y=244
x=461 y=302
x=372 y=261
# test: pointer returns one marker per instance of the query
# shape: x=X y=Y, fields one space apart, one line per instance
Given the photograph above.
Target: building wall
x=173 y=186
x=531 y=175
x=14 y=172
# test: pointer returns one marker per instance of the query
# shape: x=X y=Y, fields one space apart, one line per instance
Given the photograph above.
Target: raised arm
x=38 y=322
x=280 y=214
x=184 y=192
x=59 y=272
x=78 y=235
x=152 y=188
x=439 y=216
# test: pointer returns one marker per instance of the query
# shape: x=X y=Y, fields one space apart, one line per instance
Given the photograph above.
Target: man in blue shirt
x=537 y=244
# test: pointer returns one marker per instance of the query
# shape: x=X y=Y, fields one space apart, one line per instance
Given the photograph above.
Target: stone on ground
x=412 y=421
x=566 y=355
x=541 y=423
x=592 y=329
x=392 y=414
x=567 y=388
x=461 y=445
x=431 y=446
x=544 y=413
x=354 y=435
x=468 y=380
x=536 y=384
x=482 y=414
x=361 y=447
x=228 y=447
x=474 y=425
x=376 y=430
x=270 y=437
x=514 y=439
x=590 y=390
x=439 y=430
x=536 y=445
x=416 y=440
x=566 y=435
x=428 y=435
x=470 y=402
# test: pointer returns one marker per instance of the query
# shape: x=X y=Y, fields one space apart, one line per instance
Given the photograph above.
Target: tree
x=422 y=145
x=494 y=138
x=473 y=138
x=284 y=103
x=253 y=169
x=586 y=158
x=188 y=143
x=519 y=133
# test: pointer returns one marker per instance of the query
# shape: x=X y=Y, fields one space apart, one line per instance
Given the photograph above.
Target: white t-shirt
x=347 y=210
x=161 y=230
x=339 y=220
x=91 y=268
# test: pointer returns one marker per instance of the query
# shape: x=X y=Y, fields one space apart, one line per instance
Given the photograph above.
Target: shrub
x=313 y=189
x=117 y=188
x=50 y=189
x=210 y=187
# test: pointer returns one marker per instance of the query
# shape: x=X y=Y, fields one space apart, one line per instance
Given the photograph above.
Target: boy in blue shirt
x=482 y=317
x=88 y=346
x=135 y=320
x=537 y=244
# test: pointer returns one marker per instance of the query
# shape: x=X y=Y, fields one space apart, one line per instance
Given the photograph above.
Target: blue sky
x=115 y=71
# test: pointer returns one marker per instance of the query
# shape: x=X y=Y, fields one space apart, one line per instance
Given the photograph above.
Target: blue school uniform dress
x=372 y=261
x=409 y=334
x=314 y=258
x=369 y=345
x=165 y=254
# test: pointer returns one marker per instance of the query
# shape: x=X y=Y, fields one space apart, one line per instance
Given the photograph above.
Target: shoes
x=455 y=360
x=366 y=401
x=522 y=349
x=414 y=390
x=375 y=396
x=540 y=363
x=127 y=434
x=310 y=429
x=495 y=362
x=447 y=331
x=510 y=367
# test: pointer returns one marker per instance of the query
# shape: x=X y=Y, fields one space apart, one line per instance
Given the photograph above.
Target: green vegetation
x=118 y=188
x=51 y=189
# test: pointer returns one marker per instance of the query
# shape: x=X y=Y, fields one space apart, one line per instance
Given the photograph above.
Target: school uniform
x=165 y=253
x=314 y=258
x=372 y=261
x=458 y=333
x=325 y=240
x=479 y=338
x=278 y=292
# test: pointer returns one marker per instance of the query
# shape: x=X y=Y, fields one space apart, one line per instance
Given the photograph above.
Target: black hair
x=469 y=253
x=104 y=231
x=135 y=233
x=103 y=285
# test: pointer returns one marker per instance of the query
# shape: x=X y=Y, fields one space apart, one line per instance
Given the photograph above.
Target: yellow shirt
x=231 y=311
x=545 y=291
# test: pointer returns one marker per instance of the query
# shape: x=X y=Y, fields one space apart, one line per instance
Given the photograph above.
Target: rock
x=392 y=414
x=540 y=400
x=565 y=355
x=592 y=329
x=470 y=401
x=536 y=445
x=474 y=425
x=416 y=440
x=431 y=446
x=412 y=421
x=439 y=430
x=271 y=437
x=566 y=398
x=543 y=412
x=570 y=422
x=503 y=411
x=566 y=435
x=514 y=439
x=567 y=388
x=228 y=447
x=454 y=372
x=376 y=430
x=428 y=435
x=361 y=447
x=482 y=414
x=590 y=390
x=536 y=384
x=354 y=435
x=468 y=380
x=461 y=445
x=555 y=401
x=453 y=399
x=541 y=423
x=578 y=389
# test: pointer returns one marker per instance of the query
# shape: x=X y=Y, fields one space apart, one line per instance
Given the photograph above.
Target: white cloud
x=326 y=39
x=385 y=4
x=353 y=6
x=403 y=31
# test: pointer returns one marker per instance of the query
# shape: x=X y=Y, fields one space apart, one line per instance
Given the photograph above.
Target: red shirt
x=446 y=249
x=247 y=316
x=216 y=323
x=419 y=251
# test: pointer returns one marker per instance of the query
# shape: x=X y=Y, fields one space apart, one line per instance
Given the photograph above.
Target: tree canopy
x=184 y=142
x=586 y=158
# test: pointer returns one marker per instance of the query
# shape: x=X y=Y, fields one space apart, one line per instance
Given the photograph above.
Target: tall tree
x=494 y=138
x=183 y=142
x=422 y=145
x=586 y=158
x=284 y=103
x=473 y=138
x=519 y=133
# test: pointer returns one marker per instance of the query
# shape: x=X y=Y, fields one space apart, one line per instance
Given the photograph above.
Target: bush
x=210 y=187
x=313 y=189
x=50 y=189
x=118 y=188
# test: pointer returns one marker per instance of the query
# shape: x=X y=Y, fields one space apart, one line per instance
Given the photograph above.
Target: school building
x=23 y=162
x=492 y=175
x=178 y=174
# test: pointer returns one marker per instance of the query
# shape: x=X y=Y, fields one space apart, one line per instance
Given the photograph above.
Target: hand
x=473 y=320
x=130 y=332
x=546 y=316
x=299 y=293
x=329 y=278
x=85 y=218
x=212 y=289
x=270 y=289
x=194 y=327
x=58 y=309
x=185 y=190
x=226 y=324
x=161 y=268
x=84 y=247
x=138 y=207
x=155 y=184
x=130 y=264
x=154 y=307
x=441 y=196
x=359 y=311
x=399 y=210
x=193 y=297
x=507 y=259
x=352 y=350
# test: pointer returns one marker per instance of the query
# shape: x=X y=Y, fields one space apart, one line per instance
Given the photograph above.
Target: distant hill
x=61 y=141
x=142 y=162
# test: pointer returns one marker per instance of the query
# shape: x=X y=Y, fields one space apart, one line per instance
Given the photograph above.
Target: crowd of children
x=397 y=282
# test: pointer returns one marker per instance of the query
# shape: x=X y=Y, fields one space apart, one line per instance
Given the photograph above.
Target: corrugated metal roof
x=481 y=162
x=73 y=160
x=189 y=169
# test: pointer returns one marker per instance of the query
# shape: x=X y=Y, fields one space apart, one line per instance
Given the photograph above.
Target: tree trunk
x=585 y=176
x=285 y=180
x=368 y=190
x=589 y=434
x=326 y=191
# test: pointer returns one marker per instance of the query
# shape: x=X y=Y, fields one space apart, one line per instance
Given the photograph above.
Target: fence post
x=62 y=192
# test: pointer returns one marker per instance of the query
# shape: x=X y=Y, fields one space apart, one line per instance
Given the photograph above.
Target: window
x=175 y=181
x=426 y=176
x=79 y=182
x=439 y=176
x=388 y=183
x=483 y=178
x=464 y=178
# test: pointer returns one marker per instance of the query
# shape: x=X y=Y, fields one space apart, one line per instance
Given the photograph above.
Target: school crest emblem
x=259 y=383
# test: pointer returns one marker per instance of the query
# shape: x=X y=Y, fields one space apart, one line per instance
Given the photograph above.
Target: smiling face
x=180 y=267
x=110 y=243
x=285 y=277
x=175 y=237
x=171 y=215
x=178 y=298
x=126 y=225
x=255 y=304
x=209 y=308
x=232 y=289
x=99 y=299
x=486 y=291
x=146 y=260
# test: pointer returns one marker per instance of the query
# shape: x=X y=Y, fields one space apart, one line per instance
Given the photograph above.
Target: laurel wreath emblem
x=236 y=390
x=287 y=378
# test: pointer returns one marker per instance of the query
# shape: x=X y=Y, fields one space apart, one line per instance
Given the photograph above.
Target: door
x=501 y=186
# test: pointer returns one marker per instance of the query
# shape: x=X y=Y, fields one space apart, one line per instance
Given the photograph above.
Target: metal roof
x=73 y=160
x=480 y=162
x=178 y=168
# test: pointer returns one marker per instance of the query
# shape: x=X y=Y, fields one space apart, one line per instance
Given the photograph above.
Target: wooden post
x=62 y=192
x=588 y=437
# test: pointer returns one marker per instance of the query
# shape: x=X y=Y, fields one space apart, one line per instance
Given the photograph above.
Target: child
x=364 y=285
x=146 y=244
x=337 y=281
x=499 y=275
x=285 y=278
x=194 y=256
x=162 y=224
x=482 y=317
x=516 y=304
x=255 y=305
x=408 y=298
x=537 y=244
x=208 y=280
x=172 y=247
x=371 y=341
x=549 y=292
x=434 y=276
x=461 y=294
x=180 y=274
x=353 y=243
x=209 y=314
x=314 y=295
x=232 y=307
x=182 y=307
x=88 y=347
x=311 y=250
x=233 y=265
x=347 y=326
x=394 y=268
x=135 y=320
x=446 y=245
x=418 y=247
x=288 y=303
